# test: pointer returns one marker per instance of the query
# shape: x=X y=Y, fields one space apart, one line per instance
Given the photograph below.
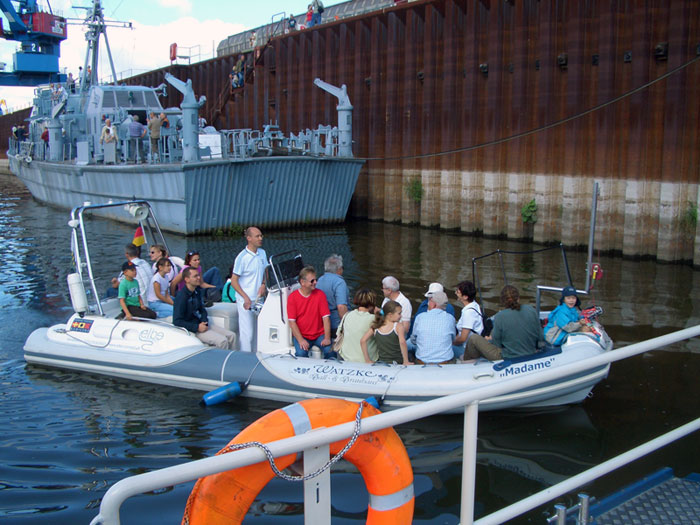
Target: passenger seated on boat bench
x=189 y=313
x=471 y=321
x=159 y=299
x=112 y=289
x=433 y=333
x=309 y=316
x=211 y=279
x=565 y=318
x=432 y=288
x=129 y=296
x=391 y=291
x=143 y=269
x=516 y=331
x=332 y=284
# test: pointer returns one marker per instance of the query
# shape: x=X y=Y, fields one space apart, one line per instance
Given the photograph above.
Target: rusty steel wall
x=431 y=76
x=6 y=123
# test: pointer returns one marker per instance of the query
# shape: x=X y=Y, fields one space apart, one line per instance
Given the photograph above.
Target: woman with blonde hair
x=354 y=325
x=388 y=334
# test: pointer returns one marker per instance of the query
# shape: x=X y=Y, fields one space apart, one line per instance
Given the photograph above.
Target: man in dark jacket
x=189 y=313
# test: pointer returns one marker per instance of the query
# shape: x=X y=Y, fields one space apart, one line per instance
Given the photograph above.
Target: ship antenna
x=96 y=26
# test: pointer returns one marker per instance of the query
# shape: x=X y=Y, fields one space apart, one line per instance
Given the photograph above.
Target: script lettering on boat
x=336 y=374
x=150 y=336
x=526 y=367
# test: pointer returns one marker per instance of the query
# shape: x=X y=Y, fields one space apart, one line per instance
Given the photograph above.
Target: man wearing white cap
x=434 y=332
x=433 y=288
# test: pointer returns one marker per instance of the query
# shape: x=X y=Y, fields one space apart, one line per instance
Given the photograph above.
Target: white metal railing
x=120 y=491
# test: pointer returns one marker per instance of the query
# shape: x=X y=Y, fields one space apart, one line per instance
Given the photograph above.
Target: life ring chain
x=289 y=477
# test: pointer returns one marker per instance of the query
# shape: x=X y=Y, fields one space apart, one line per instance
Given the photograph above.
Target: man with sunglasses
x=309 y=316
x=248 y=279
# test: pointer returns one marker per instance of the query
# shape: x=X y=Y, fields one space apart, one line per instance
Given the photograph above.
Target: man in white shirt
x=390 y=288
x=143 y=269
x=248 y=280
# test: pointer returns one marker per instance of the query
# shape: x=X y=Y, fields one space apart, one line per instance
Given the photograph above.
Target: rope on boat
x=290 y=477
x=381 y=399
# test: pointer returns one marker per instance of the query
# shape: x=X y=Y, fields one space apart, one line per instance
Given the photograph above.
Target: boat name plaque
x=514 y=370
x=338 y=374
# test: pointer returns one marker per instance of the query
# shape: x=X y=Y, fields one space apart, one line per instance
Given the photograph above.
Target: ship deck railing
x=237 y=144
x=314 y=443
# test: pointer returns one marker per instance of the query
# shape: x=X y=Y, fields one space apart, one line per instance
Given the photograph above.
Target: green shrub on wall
x=414 y=189
x=529 y=212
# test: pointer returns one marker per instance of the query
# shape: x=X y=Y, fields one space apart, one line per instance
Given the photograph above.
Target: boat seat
x=224 y=315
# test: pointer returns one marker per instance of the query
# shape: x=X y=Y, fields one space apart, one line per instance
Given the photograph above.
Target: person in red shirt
x=309 y=316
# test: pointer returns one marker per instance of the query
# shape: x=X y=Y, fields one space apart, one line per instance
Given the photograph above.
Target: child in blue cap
x=565 y=318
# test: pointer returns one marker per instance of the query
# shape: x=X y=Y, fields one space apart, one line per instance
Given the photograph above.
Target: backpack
x=487 y=322
x=321 y=9
x=488 y=326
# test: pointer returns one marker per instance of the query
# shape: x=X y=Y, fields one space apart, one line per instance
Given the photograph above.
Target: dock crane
x=39 y=34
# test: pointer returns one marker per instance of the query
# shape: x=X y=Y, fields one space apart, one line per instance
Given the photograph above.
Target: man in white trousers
x=248 y=280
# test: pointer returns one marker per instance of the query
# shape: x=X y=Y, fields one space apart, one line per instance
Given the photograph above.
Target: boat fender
x=379 y=456
x=77 y=294
x=223 y=393
x=371 y=400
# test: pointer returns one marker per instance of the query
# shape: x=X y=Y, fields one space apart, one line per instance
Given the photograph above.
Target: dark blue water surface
x=67 y=437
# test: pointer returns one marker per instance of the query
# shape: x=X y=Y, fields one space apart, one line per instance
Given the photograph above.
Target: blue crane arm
x=13 y=17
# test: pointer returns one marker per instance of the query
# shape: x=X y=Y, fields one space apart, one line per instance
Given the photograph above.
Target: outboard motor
x=78 y=298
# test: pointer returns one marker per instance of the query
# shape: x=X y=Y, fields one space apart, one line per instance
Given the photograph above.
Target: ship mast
x=96 y=27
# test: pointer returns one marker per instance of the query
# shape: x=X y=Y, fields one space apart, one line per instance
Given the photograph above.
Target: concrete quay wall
x=635 y=218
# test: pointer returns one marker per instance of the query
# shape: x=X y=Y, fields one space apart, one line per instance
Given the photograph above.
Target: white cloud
x=184 y=6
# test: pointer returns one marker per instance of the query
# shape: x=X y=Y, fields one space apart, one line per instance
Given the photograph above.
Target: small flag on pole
x=139 y=239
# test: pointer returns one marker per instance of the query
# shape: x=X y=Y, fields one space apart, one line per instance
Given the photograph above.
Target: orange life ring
x=380 y=457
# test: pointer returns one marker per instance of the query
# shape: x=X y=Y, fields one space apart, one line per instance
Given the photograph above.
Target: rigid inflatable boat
x=155 y=351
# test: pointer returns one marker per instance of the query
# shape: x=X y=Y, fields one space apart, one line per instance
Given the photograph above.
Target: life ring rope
x=380 y=456
x=300 y=422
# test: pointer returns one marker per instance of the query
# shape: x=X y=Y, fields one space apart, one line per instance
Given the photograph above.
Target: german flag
x=139 y=239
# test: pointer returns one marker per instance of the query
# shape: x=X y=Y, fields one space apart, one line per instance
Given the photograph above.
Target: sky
x=156 y=25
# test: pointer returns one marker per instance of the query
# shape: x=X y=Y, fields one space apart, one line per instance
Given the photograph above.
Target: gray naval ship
x=197 y=178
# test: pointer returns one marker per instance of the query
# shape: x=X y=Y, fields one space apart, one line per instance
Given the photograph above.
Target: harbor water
x=67 y=437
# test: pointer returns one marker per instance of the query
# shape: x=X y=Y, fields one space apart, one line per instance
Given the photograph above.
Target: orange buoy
x=380 y=457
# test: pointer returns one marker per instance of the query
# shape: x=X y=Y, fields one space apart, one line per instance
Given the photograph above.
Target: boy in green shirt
x=129 y=296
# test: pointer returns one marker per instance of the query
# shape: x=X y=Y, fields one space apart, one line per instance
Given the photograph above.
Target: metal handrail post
x=587 y=476
x=591 y=237
x=471 y=423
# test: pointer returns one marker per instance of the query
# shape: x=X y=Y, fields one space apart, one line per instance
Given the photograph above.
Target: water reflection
x=70 y=436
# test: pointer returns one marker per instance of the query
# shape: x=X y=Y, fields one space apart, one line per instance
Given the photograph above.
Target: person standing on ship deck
x=154 y=124
x=248 y=279
x=136 y=132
